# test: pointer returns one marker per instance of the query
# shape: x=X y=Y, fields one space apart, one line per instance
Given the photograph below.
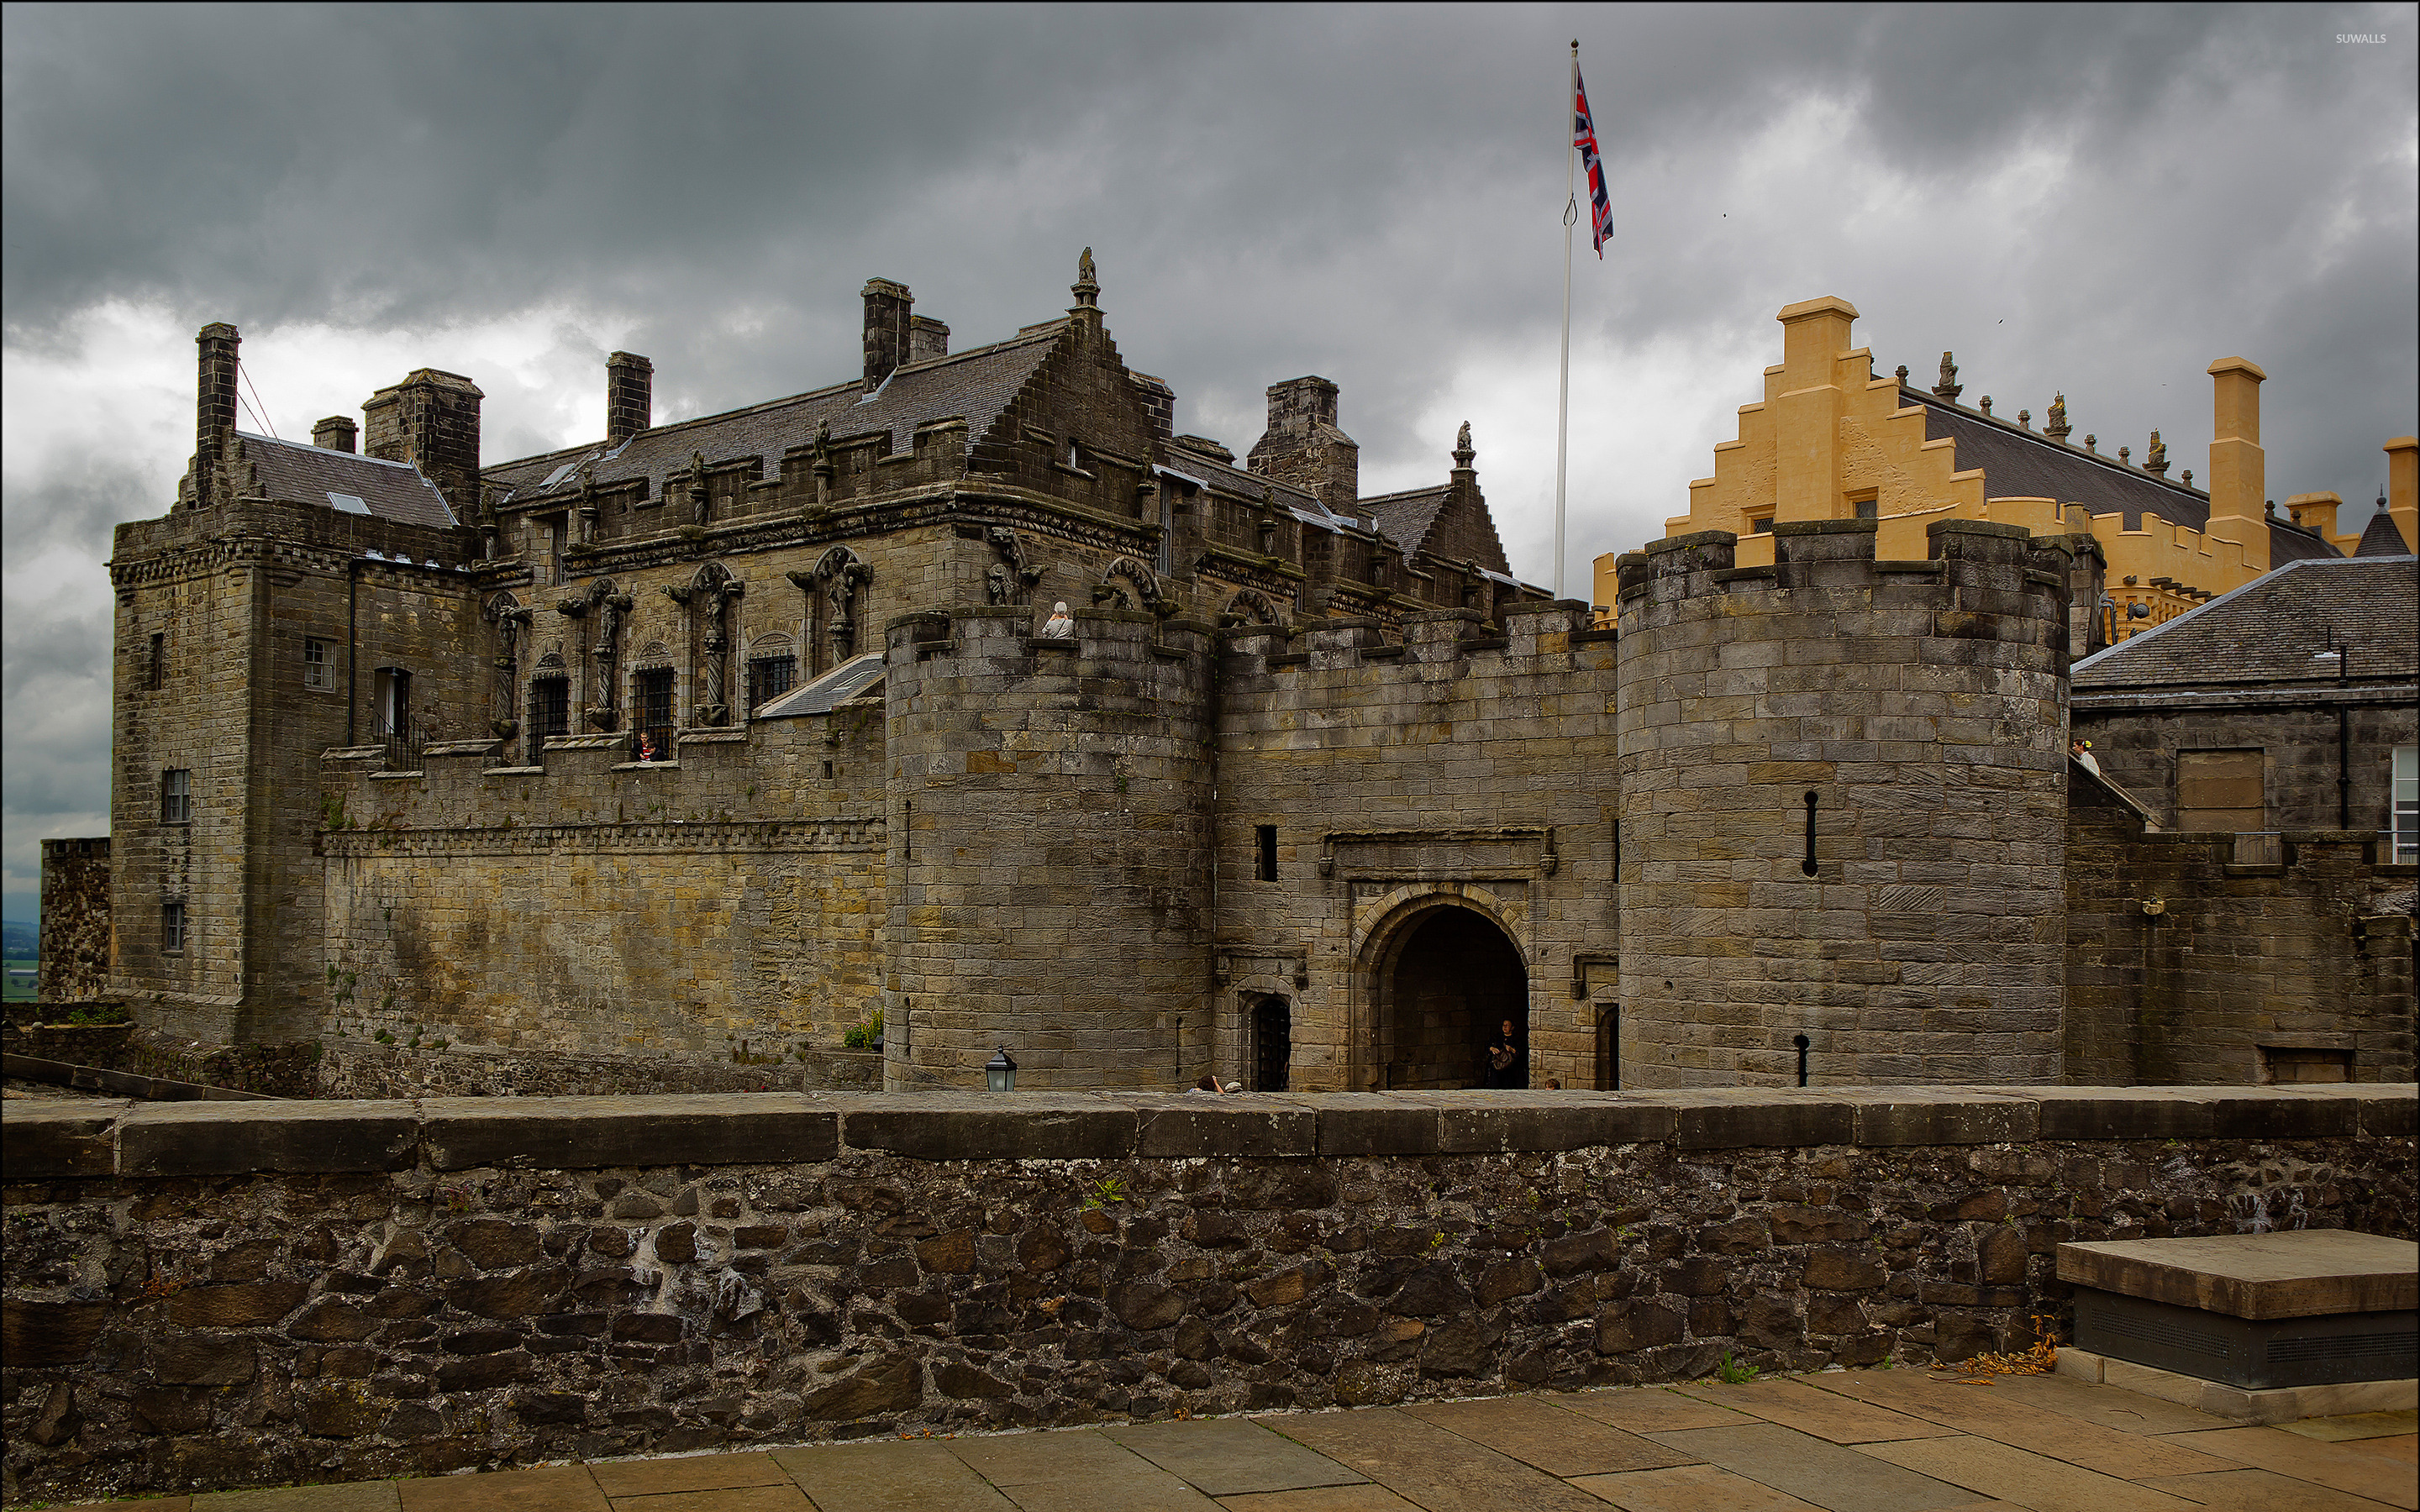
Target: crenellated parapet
x=1842 y=800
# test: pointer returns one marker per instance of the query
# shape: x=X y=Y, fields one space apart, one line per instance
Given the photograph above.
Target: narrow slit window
x=1265 y=838
x=156 y=673
x=1807 y=865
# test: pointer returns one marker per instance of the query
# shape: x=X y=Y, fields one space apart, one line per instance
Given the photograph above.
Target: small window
x=318 y=673
x=2407 y=805
x=770 y=677
x=2221 y=790
x=156 y=673
x=654 y=710
x=176 y=795
x=1866 y=505
x=550 y=706
x=2285 y=1065
x=1759 y=520
x=172 y=929
x=1265 y=847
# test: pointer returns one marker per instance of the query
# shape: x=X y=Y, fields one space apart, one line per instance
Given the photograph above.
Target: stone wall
x=356 y=1068
x=2186 y=965
x=209 y=1295
x=1455 y=768
x=2136 y=737
x=1843 y=808
x=75 y=940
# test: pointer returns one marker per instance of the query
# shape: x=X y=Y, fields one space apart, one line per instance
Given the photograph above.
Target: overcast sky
x=2097 y=199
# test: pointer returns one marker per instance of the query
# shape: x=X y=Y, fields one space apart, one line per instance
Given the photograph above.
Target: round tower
x=1843 y=809
x=1049 y=824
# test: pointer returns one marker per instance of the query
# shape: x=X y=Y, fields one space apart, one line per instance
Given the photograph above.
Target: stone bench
x=2261 y=1312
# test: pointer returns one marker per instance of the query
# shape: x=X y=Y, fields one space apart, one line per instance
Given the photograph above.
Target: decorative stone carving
x=1901 y=373
x=2025 y=419
x=837 y=577
x=819 y=463
x=1987 y=404
x=1087 y=287
x=1462 y=454
x=1250 y=606
x=505 y=614
x=605 y=606
x=1010 y=580
x=1949 y=388
x=2156 y=459
x=2091 y=444
x=2055 y=426
x=701 y=498
x=1144 y=585
x=707 y=597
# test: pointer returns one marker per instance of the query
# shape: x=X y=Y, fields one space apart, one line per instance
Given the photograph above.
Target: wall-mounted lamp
x=999 y=1073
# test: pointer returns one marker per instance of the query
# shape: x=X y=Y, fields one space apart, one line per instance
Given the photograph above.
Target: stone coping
x=2311 y=1272
x=106 y=1138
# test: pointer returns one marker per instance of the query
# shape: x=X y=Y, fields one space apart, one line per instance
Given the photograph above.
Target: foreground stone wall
x=73 y=966
x=222 y=1294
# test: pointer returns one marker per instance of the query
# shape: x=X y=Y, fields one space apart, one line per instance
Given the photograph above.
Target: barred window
x=176 y=795
x=550 y=706
x=172 y=929
x=654 y=710
x=770 y=677
x=318 y=673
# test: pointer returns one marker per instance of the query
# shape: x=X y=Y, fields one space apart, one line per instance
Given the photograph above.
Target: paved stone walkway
x=1869 y=1441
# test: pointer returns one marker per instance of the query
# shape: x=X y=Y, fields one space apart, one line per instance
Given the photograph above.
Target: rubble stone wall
x=211 y=1295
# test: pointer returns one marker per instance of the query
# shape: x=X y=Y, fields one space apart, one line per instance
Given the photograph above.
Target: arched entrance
x=1452 y=976
x=1272 y=1042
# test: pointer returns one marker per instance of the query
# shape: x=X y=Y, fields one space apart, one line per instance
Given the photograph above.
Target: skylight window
x=348 y=503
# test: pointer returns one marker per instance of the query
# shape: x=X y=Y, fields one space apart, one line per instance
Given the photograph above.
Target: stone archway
x=1443 y=979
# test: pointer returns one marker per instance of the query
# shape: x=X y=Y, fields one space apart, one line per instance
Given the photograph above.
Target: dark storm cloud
x=2093 y=199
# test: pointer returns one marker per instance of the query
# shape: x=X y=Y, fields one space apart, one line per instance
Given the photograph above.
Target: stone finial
x=1462 y=449
x=2055 y=426
x=2126 y=454
x=2189 y=484
x=1987 y=404
x=1901 y=373
x=1087 y=287
x=2156 y=459
x=2090 y=441
x=2025 y=419
x=1949 y=388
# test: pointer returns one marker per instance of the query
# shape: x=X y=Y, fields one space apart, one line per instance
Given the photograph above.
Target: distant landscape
x=18 y=946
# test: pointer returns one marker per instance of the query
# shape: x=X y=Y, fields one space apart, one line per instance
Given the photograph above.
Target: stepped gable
x=2380 y=538
x=314 y=474
x=2270 y=630
x=977 y=385
x=1408 y=518
x=2018 y=464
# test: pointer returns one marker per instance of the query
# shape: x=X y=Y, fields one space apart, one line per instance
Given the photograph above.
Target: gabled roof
x=977 y=385
x=1257 y=487
x=2278 y=628
x=1406 y=517
x=344 y=481
x=2022 y=464
x=2380 y=538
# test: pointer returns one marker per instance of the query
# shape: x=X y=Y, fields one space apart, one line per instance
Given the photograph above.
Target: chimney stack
x=2403 y=488
x=887 y=307
x=1303 y=446
x=2238 y=506
x=336 y=434
x=926 y=338
x=432 y=420
x=629 y=397
x=214 y=405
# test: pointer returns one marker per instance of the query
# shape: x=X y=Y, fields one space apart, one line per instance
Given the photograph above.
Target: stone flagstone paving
x=1872 y=1441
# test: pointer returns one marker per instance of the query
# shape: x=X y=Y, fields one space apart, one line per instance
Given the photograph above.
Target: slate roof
x=1407 y=517
x=2380 y=538
x=2022 y=464
x=1258 y=487
x=317 y=475
x=977 y=384
x=2269 y=631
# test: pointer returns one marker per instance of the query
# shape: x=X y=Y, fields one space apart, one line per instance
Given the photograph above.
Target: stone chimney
x=2403 y=488
x=629 y=397
x=214 y=406
x=2239 y=504
x=926 y=338
x=2316 y=512
x=336 y=434
x=431 y=420
x=888 y=308
x=1303 y=446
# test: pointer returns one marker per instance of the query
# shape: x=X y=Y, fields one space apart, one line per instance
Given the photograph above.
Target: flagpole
x=1563 y=398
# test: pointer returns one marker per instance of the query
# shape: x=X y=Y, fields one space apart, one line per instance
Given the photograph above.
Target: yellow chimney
x=2403 y=488
x=1806 y=414
x=2239 y=509
x=2316 y=513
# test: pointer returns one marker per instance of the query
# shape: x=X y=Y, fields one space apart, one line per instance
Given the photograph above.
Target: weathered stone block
x=45 y=1143
x=241 y=1306
x=234 y=1139
x=589 y=1133
x=943 y=1126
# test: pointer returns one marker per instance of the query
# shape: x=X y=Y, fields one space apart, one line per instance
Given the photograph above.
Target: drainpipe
x=352 y=640
x=2344 y=740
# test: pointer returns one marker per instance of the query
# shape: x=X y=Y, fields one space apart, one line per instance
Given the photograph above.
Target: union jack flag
x=1584 y=138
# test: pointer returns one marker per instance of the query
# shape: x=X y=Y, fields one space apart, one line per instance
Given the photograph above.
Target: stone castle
x=708 y=743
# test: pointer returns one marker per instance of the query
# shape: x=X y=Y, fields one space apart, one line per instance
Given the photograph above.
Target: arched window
x=772 y=670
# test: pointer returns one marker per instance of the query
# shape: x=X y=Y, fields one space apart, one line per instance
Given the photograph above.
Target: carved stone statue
x=1948 y=388
x=709 y=595
x=700 y=497
x=510 y=619
x=2156 y=459
x=1061 y=625
x=1011 y=580
x=1462 y=448
x=2055 y=426
x=838 y=576
x=1084 y=268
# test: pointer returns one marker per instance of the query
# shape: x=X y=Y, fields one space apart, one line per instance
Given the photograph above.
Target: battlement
x=1964 y=555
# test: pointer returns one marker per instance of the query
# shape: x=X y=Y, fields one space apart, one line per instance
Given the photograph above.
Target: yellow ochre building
x=1832 y=440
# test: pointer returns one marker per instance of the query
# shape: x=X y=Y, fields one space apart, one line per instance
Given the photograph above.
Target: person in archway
x=1504 y=1058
